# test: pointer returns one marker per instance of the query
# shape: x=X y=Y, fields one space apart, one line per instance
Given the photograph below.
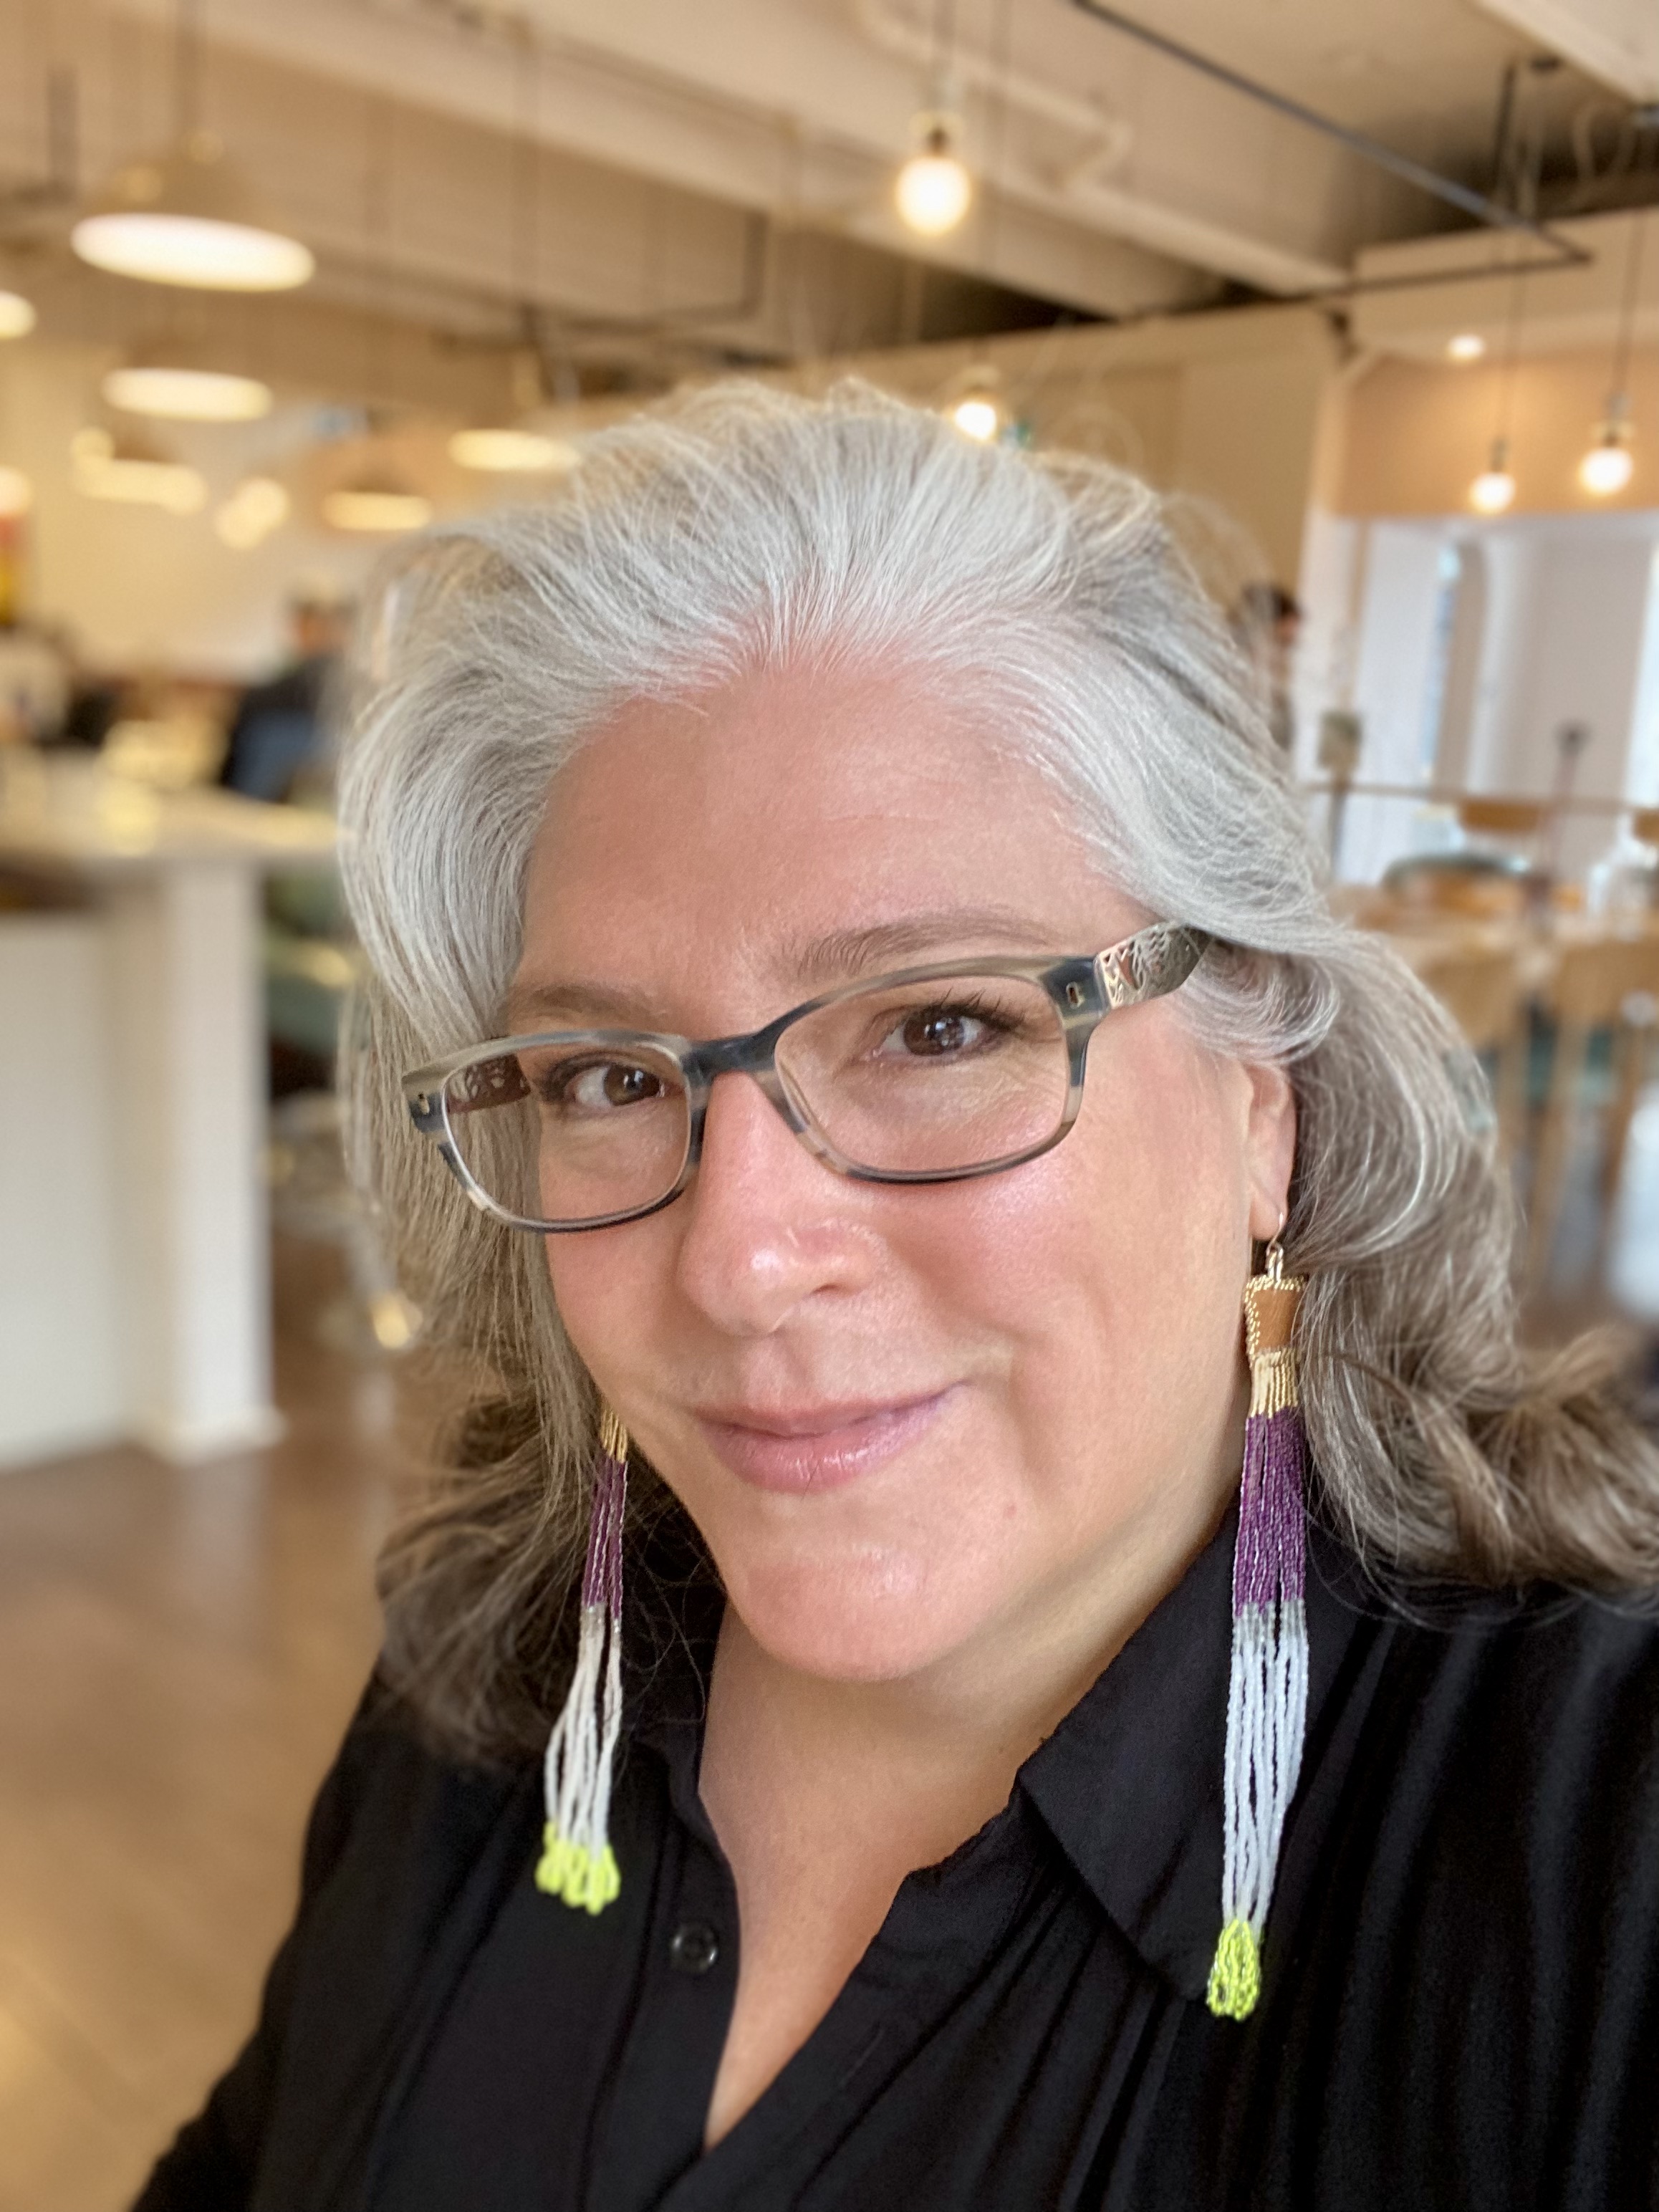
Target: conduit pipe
x=1086 y=184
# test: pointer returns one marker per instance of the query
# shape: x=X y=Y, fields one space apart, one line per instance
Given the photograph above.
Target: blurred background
x=1373 y=289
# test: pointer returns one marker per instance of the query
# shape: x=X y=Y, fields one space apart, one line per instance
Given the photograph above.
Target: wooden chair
x=1481 y=988
x=1609 y=983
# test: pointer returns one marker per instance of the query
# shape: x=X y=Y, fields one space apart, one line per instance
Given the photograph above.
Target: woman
x=839 y=913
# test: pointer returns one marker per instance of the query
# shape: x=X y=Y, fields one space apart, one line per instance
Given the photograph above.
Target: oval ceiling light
x=934 y=189
x=132 y=468
x=188 y=218
x=1467 y=345
x=511 y=452
x=185 y=394
x=1492 y=491
x=376 y=503
x=17 y=316
x=16 y=493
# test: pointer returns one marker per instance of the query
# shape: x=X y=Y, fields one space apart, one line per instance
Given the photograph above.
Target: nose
x=765 y=1225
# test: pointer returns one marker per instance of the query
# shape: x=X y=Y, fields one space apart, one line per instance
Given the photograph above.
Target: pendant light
x=515 y=447
x=374 y=496
x=934 y=189
x=1493 y=490
x=17 y=316
x=187 y=215
x=378 y=500
x=974 y=402
x=1609 y=465
x=127 y=466
x=168 y=380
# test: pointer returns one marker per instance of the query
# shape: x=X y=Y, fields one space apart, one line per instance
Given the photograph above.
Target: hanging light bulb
x=125 y=467
x=977 y=416
x=935 y=188
x=17 y=315
x=1467 y=345
x=187 y=217
x=1493 y=489
x=16 y=493
x=1608 y=466
x=185 y=390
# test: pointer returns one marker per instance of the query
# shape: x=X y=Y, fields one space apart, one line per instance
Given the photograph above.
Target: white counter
x=134 y=1238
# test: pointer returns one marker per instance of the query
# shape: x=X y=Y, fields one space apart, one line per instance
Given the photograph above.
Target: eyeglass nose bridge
x=755 y=1056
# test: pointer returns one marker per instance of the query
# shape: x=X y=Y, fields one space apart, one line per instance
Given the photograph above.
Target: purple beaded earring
x=1268 y=1682
x=577 y=1863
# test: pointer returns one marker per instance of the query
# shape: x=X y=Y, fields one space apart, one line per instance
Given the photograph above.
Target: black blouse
x=1460 y=2008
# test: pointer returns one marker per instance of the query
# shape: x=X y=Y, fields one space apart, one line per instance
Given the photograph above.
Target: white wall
x=1400 y=595
x=1557 y=622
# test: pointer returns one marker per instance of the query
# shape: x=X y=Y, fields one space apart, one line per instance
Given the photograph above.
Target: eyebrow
x=842 y=956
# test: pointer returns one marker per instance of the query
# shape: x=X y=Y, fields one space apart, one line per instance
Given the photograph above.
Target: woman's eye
x=604 y=1086
x=931 y=1032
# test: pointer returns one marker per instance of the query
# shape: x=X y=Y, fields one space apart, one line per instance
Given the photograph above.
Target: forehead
x=747 y=825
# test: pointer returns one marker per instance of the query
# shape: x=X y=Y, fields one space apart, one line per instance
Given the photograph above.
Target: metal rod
x=1447 y=190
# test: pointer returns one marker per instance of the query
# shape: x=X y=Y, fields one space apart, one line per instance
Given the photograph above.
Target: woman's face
x=903 y=1418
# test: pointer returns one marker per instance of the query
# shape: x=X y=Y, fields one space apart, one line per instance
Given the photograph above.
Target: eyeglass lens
x=927 y=1078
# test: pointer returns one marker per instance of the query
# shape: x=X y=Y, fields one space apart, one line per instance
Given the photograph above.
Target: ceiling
x=715 y=179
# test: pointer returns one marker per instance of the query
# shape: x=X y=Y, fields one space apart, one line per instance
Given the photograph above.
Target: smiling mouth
x=816 y=1448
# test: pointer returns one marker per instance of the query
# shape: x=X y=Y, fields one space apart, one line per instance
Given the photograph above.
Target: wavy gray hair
x=743 y=527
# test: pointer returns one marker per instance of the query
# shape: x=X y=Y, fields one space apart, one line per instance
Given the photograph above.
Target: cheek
x=1123 y=1278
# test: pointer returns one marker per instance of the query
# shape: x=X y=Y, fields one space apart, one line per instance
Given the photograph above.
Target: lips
x=816 y=1448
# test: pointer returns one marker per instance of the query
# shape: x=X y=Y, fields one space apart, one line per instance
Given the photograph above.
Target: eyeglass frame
x=1083 y=988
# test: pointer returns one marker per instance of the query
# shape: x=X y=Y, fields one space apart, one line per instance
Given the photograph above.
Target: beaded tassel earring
x=1268 y=1684
x=577 y=1863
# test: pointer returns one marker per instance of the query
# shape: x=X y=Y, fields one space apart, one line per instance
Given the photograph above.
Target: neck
x=940 y=1747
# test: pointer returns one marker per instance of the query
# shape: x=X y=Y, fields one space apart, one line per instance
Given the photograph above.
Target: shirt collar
x=1129 y=1783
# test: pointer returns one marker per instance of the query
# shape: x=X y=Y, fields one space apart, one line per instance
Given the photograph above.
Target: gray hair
x=742 y=528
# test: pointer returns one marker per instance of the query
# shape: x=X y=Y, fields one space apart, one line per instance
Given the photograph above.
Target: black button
x=694 y=1947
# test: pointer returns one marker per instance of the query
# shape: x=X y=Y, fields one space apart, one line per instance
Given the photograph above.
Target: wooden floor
x=178 y=1652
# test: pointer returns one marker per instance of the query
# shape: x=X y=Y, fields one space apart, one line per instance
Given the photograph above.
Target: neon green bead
x=1236 y=1976
x=571 y=1871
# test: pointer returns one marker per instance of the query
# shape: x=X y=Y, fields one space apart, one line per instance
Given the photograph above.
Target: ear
x=1269 y=1149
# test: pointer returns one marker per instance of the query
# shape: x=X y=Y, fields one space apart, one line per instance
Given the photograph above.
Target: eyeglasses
x=932 y=1075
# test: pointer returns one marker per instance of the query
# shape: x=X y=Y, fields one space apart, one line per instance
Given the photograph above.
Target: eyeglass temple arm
x=1152 y=963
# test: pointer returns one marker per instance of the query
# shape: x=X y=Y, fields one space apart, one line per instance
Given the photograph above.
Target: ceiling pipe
x=1563 y=251
x=1086 y=182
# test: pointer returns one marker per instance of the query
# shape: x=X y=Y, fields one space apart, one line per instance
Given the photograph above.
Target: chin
x=868 y=1618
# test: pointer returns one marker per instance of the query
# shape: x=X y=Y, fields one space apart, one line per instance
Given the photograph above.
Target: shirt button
x=693 y=1947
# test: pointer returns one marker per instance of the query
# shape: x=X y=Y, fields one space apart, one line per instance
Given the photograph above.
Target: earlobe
x=1270 y=1142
